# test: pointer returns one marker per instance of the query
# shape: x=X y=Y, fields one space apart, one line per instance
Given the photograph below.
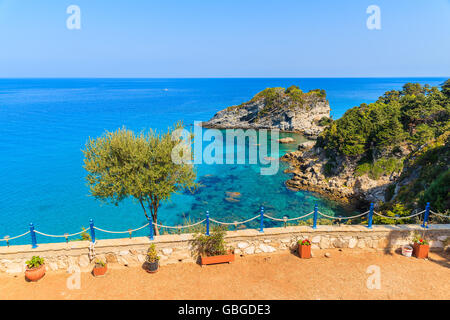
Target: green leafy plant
x=100 y=263
x=212 y=245
x=84 y=236
x=152 y=254
x=35 y=262
x=420 y=240
x=397 y=211
x=305 y=242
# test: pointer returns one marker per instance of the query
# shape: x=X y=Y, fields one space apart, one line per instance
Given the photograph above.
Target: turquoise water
x=44 y=124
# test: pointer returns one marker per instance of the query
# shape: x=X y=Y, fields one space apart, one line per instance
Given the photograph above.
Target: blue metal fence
x=208 y=220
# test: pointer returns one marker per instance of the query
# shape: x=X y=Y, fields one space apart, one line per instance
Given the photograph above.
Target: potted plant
x=420 y=248
x=407 y=251
x=152 y=259
x=35 y=269
x=100 y=268
x=212 y=249
x=304 y=249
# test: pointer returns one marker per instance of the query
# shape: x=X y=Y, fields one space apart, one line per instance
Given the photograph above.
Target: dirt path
x=274 y=276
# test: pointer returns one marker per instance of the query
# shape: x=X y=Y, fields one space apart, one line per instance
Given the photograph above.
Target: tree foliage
x=397 y=211
x=123 y=164
x=430 y=168
x=446 y=88
x=413 y=115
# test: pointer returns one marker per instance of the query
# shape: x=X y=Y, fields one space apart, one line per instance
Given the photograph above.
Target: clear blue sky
x=227 y=38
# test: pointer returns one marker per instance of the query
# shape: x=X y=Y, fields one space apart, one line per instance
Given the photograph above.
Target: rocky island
x=277 y=108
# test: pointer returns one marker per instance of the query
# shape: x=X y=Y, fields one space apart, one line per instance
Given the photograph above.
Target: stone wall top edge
x=239 y=234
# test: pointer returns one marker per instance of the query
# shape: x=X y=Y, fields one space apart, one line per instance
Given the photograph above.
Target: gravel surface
x=343 y=275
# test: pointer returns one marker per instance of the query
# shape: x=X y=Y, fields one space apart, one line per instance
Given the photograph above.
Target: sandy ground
x=275 y=276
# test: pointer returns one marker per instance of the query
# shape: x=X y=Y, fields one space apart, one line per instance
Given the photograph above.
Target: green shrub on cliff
x=295 y=93
x=325 y=121
x=446 y=88
x=280 y=97
x=318 y=92
x=427 y=173
x=397 y=211
x=383 y=166
x=270 y=95
x=438 y=193
x=413 y=115
x=361 y=128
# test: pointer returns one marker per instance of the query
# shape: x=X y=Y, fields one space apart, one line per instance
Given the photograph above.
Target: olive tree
x=123 y=164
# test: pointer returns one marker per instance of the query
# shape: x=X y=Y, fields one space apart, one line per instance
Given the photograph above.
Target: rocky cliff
x=309 y=169
x=277 y=108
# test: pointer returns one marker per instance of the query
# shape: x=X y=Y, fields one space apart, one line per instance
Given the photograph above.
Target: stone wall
x=177 y=248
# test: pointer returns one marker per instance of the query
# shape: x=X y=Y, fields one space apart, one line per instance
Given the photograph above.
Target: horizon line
x=233 y=77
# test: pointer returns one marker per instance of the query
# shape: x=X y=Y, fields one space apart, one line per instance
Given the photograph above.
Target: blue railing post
x=207 y=223
x=150 y=225
x=261 y=225
x=33 y=237
x=316 y=215
x=427 y=214
x=91 y=226
x=369 y=224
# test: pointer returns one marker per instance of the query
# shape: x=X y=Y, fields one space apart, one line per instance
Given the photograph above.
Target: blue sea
x=45 y=123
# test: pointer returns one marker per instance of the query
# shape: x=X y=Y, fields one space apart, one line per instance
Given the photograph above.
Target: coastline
x=349 y=201
x=308 y=136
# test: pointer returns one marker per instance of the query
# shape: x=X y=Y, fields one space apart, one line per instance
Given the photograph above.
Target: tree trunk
x=154 y=211
x=155 y=221
x=153 y=214
x=143 y=207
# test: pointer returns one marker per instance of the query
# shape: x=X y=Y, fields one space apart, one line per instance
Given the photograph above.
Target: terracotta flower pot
x=304 y=252
x=35 y=274
x=99 y=271
x=152 y=267
x=421 y=250
x=229 y=257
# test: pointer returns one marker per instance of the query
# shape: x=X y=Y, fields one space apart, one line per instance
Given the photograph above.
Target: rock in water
x=233 y=194
x=277 y=108
x=286 y=140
